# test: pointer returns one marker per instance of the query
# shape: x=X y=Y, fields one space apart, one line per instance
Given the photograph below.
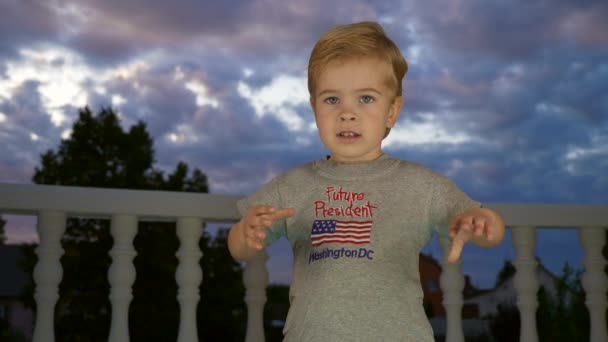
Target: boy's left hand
x=479 y=225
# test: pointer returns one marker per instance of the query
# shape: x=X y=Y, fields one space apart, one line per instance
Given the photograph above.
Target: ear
x=394 y=111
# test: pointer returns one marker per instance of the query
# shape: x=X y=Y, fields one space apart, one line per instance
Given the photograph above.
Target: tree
x=505 y=325
x=222 y=288
x=563 y=317
x=506 y=272
x=560 y=317
x=100 y=154
x=277 y=306
x=2 y=233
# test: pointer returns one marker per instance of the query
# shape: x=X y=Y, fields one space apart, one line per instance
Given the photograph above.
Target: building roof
x=427 y=260
x=12 y=277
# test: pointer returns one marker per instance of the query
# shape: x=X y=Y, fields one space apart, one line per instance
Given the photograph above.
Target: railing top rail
x=151 y=204
x=553 y=215
x=102 y=202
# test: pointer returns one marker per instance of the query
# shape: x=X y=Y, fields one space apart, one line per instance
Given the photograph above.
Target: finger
x=454 y=227
x=479 y=225
x=263 y=210
x=260 y=234
x=265 y=222
x=256 y=239
x=257 y=222
x=252 y=233
x=258 y=245
x=282 y=213
x=455 y=250
x=489 y=233
x=466 y=223
x=268 y=220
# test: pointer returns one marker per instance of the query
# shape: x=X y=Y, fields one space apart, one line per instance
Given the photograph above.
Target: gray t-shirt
x=356 y=235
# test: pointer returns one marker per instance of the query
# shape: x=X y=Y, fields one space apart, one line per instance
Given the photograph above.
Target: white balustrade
x=452 y=284
x=121 y=274
x=526 y=282
x=53 y=204
x=255 y=278
x=594 y=280
x=189 y=275
x=48 y=273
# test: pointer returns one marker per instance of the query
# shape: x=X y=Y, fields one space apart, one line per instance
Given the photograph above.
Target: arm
x=481 y=226
x=246 y=237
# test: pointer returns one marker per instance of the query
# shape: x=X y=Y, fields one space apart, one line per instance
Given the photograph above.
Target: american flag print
x=344 y=232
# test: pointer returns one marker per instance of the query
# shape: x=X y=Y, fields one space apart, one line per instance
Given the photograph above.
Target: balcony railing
x=54 y=204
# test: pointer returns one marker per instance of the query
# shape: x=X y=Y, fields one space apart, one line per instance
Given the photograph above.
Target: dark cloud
x=510 y=30
x=496 y=98
x=24 y=23
x=26 y=133
x=106 y=47
x=113 y=30
x=238 y=150
x=525 y=80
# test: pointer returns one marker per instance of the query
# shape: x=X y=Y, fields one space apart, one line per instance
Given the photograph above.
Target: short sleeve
x=268 y=194
x=448 y=201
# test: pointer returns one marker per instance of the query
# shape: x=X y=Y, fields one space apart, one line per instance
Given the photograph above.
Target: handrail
x=101 y=202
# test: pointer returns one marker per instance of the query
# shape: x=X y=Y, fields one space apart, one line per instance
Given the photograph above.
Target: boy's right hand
x=257 y=220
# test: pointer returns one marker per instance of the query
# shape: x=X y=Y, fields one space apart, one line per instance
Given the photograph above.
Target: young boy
x=358 y=219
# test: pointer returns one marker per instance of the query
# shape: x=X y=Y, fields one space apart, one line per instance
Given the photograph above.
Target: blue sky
x=507 y=98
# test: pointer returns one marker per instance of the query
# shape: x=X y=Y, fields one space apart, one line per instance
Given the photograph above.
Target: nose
x=347 y=115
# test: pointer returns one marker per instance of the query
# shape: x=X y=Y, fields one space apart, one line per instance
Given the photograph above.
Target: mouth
x=348 y=134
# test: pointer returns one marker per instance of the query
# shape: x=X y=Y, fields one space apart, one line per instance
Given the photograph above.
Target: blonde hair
x=364 y=39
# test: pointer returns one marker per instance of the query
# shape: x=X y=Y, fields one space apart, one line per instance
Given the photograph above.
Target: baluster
x=595 y=280
x=121 y=275
x=189 y=276
x=48 y=273
x=255 y=278
x=452 y=285
x=526 y=281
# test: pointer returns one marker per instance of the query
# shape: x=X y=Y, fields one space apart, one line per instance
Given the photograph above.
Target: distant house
x=486 y=302
x=478 y=304
x=430 y=273
x=12 y=279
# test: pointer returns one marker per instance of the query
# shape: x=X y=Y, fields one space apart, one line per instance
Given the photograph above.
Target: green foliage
x=505 y=326
x=2 y=233
x=99 y=153
x=9 y=334
x=222 y=288
x=277 y=306
x=559 y=317
x=506 y=272
x=563 y=317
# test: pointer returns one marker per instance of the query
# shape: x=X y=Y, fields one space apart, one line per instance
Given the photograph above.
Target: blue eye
x=331 y=100
x=366 y=99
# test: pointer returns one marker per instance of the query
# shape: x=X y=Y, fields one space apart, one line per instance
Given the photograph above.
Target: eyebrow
x=362 y=90
x=367 y=90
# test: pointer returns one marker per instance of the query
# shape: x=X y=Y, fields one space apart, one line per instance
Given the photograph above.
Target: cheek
x=323 y=124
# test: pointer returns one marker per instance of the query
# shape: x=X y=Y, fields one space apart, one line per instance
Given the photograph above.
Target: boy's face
x=354 y=102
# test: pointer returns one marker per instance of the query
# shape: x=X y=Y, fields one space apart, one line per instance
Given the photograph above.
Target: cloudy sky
x=507 y=98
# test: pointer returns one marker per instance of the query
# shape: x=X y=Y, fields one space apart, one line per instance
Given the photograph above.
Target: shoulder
x=296 y=176
x=414 y=175
x=417 y=170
